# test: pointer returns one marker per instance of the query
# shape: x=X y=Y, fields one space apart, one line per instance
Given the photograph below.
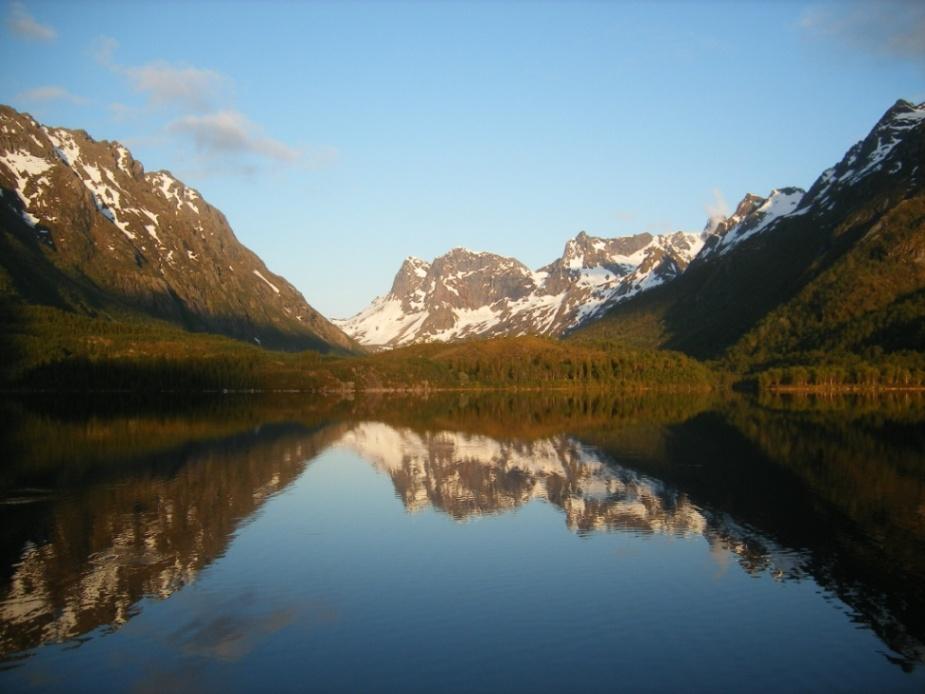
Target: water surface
x=464 y=543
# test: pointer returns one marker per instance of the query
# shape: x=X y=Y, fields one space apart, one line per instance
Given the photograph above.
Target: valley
x=113 y=278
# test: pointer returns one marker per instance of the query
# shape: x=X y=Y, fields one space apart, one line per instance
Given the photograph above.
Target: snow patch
x=123 y=159
x=25 y=167
x=268 y=282
x=167 y=186
x=65 y=146
x=23 y=163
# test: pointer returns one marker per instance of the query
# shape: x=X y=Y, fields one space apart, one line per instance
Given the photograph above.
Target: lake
x=463 y=543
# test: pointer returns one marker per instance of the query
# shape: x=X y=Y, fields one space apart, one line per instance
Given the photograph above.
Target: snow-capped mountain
x=83 y=225
x=466 y=294
x=893 y=148
x=837 y=267
x=752 y=216
x=878 y=152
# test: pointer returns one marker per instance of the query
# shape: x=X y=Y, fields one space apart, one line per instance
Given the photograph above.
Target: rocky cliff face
x=466 y=294
x=83 y=226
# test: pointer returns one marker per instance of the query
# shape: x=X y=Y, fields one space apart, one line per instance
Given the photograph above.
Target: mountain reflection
x=89 y=556
x=101 y=512
x=467 y=475
x=827 y=490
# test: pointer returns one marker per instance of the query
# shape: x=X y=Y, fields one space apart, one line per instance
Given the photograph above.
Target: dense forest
x=45 y=348
x=50 y=349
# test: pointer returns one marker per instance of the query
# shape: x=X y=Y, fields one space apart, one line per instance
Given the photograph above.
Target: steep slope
x=837 y=267
x=464 y=294
x=83 y=227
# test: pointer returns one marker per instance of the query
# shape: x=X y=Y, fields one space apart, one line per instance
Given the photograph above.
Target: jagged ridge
x=465 y=294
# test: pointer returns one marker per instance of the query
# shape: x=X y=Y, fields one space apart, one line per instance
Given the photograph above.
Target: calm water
x=463 y=544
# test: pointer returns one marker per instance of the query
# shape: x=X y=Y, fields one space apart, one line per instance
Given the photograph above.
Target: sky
x=340 y=137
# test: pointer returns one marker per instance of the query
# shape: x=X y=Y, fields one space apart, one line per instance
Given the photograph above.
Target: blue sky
x=339 y=138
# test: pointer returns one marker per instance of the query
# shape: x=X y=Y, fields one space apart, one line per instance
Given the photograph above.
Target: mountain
x=752 y=216
x=839 y=268
x=83 y=227
x=465 y=294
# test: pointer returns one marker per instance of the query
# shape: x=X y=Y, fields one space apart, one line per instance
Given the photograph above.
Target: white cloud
x=191 y=88
x=228 y=133
x=717 y=210
x=184 y=87
x=50 y=92
x=893 y=28
x=22 y=24
x=197 y=100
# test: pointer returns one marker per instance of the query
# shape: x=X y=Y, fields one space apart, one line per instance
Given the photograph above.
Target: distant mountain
x=465 y=294
x=839 y=268
x=83 y=227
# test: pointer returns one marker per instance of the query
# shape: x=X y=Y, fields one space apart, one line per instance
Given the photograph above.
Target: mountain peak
x=464 y=294
x=753 y=215
x=901 y=110
x=888 y=157
x=84 y=216
x=461 y=251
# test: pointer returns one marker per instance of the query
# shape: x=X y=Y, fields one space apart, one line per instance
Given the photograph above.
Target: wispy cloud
x=717 y=210
x=228 y=133
x=892 y=28
x=122 y=112
x=185 y=87
x=191 y=88
x=102 y=50
x=22 y=24
x=623 y=216
x=50 y=92
x=197 y=103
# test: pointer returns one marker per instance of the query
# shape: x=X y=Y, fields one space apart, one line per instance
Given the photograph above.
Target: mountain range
x=465 y=294
x=840 y=267
x=733 y=285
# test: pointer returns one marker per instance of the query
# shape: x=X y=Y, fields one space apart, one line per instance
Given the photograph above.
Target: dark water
x=463 y=544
